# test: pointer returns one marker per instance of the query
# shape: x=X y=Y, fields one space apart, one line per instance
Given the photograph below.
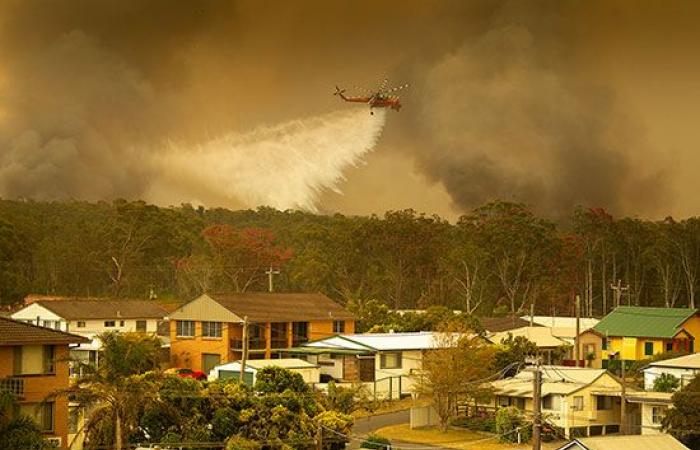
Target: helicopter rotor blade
x=398 y=88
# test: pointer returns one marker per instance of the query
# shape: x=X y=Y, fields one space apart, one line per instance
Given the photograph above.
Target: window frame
x=49 y=360
x=658 y=413
x=647 y=345
x=339 y=326
x=577 y=403
x=80 y=324
x=139 y=328
x=110 y=323
x=603 y=403
x=209 y=326
x=180 y=326
x=383 y=360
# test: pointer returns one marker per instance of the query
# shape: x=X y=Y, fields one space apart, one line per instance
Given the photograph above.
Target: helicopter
x=380 y=98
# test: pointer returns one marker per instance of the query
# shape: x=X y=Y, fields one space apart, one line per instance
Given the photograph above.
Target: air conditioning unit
x=54 y=442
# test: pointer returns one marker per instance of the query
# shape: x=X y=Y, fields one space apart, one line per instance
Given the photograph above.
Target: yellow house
x=578 y=401
x=635 y=333
x=208 y=330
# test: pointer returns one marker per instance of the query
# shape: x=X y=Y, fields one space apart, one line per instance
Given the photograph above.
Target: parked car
x=188 y=373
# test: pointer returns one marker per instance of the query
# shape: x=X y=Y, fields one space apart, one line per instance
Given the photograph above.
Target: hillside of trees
x=498 y=259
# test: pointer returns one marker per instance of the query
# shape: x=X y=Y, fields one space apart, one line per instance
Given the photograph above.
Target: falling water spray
x=285 y=166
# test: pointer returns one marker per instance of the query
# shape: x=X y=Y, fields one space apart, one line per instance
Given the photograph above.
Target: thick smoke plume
x=509 y=99
x=285 y=166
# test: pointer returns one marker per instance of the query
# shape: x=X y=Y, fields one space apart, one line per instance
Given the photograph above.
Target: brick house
x=33 y=364
x=208 y=330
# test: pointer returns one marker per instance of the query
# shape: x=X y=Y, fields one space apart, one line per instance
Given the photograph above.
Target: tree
x=456 y=370
x=510 y=423
x=666 y=383
x=513 y=351
x=18 y=432
x=13 y=261
x=683 y=420
x=114 y=392
x=241 y=256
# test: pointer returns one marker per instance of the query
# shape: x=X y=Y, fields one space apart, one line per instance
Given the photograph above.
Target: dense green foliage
x=510 y=422
x=683 y=420
x=18 y=432
x=128 y=401
x=666 y=383
x=499 y=258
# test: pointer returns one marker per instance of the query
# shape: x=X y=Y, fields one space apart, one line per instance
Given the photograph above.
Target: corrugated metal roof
x=423 y=340
x=558 y=321
x=635 y=321
x=541 y=336
x=555 y=380
x=682 y=362
x=637 y=442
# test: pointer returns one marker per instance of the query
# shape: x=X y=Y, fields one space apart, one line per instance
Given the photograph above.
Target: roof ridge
x=51 y=330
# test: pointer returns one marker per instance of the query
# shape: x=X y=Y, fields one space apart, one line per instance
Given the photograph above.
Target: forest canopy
x=498 y=259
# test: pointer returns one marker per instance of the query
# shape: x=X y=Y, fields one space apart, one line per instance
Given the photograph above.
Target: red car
x=188 y=373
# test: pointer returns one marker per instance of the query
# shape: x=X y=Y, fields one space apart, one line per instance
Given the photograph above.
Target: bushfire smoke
x=545 y=102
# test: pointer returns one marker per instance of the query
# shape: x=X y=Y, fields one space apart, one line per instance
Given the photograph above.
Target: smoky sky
x=519 y=100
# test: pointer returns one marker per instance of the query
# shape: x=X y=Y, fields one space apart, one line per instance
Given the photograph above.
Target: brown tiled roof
x=282 y=307
x=14 y=332
x=105 y=309
x=498 y=324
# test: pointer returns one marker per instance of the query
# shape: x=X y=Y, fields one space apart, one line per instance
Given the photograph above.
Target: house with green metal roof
x=635 y=333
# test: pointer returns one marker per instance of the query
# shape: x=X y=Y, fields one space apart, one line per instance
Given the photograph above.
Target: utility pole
x=623 y=400
x=619 y=290
x=532 y=315
x=536 y=407
x=244 y=349
x=577 y=348
x=270 y=273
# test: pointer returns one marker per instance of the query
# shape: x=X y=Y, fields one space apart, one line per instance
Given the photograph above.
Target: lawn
x=460 y=439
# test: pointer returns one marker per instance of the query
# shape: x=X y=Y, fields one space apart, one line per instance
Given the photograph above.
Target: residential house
x=389 y=363
x=649 y=409
x=685 y=368
x=649 y=442
x=33 y=364
x=562 y=322
x=90 y=317
x=497 y=324
x=209 y=329
x=635 y=333
x=552 y=348
x=577 y=401
x=308 y=371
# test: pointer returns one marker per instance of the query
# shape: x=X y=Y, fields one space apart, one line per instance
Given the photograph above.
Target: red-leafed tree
x=236 y=259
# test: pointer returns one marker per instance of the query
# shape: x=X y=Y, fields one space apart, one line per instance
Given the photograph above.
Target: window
x=603 y=403
x=520 y=403
x=605 y=344
x=300 y=332
x=589 y=349
x=121 y=323
x=669 y=346
x=109 y=323
x=390 y=360
x=657 y=414
x=81 y=324
x=141 y=326
x=49 y=363
x=503 y=401
x=339 y=326
x=648 y=348
x=41 y=414
x=57 y=325
x=185 y=328
x=278 y=333
x=211 y=329
x=578 y=403
x=551 y=402
x=48 y=323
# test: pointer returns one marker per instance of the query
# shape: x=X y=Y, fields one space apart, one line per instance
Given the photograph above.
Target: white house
x=562 y=322
x=685 y=368
x=308 y=371
x=90 y=317
x=388 y=363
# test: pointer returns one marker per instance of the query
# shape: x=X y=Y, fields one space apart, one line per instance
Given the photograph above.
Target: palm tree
x=114 y=393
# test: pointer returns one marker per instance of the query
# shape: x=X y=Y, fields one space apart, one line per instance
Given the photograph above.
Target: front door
x=209 y=361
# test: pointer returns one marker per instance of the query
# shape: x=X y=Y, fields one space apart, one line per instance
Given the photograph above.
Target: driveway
x=367 y=425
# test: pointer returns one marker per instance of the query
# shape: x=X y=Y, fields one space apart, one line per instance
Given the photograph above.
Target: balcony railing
x=253 y=344
x=12 y=385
